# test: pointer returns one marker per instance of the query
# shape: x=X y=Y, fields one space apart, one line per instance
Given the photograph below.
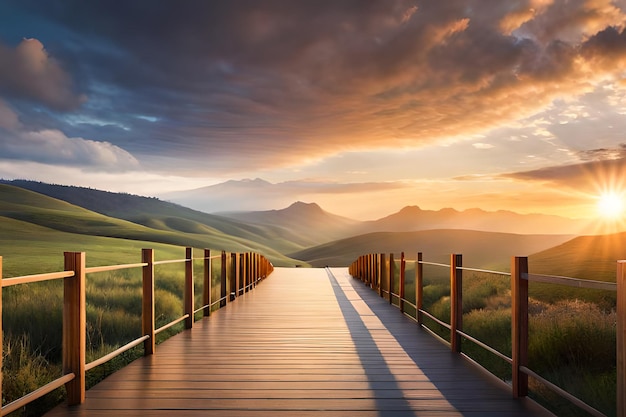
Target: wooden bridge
x=305 y=342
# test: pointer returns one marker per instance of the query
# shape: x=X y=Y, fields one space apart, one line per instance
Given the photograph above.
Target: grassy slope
x=586 y=257
x=31 y=249
x=30 y=207
x=479 y=249
x=165 y=216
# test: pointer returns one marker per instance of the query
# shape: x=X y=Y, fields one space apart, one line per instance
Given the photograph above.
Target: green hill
x=480 y=249
x=36 y=209
x=165 y=216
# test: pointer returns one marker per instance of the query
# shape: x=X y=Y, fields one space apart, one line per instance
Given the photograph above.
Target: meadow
x=32 y=313
x=572 y=340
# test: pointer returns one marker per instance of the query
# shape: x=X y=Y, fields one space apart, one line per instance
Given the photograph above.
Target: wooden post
x=376 y=272
x=147 y=302
x=519 y=325
x=189 y=295
x=74 y=327
x=621 y=338
x=223 y=297
x=419 y=289
x=456 y=301
x=237 y=274
x=402 y=281
x=392 y=277
x=247 y=277
x=383 y=274
x=234 y=275
x=206 y=293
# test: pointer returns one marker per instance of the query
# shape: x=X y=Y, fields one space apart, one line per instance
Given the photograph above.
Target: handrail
x=571 y=282
x=116 y=352
x=434 y=264
x=487 y=271
x=95 y=269
x=581 y=404
x=170 y=261
x=486 y=347
x=27 y=279
x=38 y=393
x=171 y=323
x=372 y=270
x=258 y=268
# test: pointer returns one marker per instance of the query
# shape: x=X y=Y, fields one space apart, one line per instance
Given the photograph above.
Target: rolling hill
x=165 y=216
x=37 y=209
x=480 y=249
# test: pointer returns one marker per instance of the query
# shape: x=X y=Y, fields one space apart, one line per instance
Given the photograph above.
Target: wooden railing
x=245 y=271
x=379 y=273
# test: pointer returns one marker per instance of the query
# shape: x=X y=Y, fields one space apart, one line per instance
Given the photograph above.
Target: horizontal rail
x=170 y=261
x=434 y=264
x=488 y=271
x=108 y=357
x=405 y=301
x=486 y=347
x=435 y=319
x=27 y=279
x=444 y=341
x=167 y=326
x=218 y=301
x=564 y=393
x=95 y=269
x=571 y=282
x=38 y=393
x=201 y=308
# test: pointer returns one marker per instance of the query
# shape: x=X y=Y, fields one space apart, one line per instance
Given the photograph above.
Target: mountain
x=304 y=223
x=412 y=218
x=488 y=250
x=231 y=195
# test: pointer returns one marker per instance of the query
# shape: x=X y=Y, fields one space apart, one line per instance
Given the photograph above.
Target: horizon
x=362 y=109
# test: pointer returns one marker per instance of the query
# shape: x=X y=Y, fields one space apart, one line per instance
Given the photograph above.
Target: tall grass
x=32 y=325
x=571 y=342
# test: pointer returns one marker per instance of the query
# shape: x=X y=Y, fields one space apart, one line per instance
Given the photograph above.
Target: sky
x=366 y=105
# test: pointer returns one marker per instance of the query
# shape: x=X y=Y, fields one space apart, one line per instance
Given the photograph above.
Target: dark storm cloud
x=228 y=85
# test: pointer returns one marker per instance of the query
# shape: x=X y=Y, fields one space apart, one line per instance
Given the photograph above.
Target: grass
x=33 y=329
x=571 y=342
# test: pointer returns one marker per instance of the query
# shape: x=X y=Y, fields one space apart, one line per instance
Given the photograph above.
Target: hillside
x=37 y=209
x=479 y=249
x=585 y=257
x=165 y=216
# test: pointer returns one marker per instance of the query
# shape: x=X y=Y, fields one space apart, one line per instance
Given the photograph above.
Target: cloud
x=8 y=118
x=54 y=148
x=252 y=85
x=29 y=72
x=603 y=169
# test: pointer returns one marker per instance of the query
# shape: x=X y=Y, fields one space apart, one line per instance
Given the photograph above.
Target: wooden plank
x=330 y=347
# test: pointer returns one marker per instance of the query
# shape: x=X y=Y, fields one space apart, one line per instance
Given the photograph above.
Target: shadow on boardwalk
x=306 y=342
x=451 y=384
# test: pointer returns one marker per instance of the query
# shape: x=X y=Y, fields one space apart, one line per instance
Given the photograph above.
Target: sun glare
x=611 y=205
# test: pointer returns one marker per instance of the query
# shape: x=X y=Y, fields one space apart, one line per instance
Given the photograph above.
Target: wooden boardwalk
x=305 y=342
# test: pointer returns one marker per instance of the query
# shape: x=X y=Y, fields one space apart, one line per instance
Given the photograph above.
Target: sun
x=611 y=205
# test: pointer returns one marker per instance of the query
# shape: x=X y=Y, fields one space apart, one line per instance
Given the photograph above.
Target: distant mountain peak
x=410 y=209
x=302 y=206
